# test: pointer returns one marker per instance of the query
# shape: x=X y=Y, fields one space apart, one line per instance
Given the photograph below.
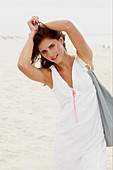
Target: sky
x=91 y=17
x=51 y=3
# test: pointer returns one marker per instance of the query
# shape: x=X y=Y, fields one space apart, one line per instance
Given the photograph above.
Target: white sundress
x=79 y=129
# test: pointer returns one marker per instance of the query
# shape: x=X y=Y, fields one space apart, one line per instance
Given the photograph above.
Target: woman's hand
x=33 y=24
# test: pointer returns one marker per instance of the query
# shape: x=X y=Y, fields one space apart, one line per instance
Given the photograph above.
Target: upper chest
x=76 y=78
x=71 y=77
x=66 y=76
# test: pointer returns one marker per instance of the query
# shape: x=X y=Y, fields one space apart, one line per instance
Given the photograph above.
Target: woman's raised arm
x=36 y=74
x=83 y=49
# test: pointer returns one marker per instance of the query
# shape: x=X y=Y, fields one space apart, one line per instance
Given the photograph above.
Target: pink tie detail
x=76 y=119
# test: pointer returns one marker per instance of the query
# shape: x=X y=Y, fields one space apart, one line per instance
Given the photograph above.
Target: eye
x=44 y=51
x=52 y=45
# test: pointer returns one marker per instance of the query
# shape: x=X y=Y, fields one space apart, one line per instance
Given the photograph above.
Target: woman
x=79 y=142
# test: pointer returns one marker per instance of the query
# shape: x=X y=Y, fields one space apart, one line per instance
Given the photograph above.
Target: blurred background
x=29 y=111
x=92 y=17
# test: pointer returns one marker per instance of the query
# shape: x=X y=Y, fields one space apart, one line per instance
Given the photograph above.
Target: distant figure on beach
x=103 y=46
x=108 y=46
x=79 y=142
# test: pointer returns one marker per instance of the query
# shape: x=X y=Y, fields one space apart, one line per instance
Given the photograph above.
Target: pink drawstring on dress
x=73 y=92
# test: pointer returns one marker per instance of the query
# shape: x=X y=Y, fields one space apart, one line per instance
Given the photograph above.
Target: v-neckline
x=71 y=75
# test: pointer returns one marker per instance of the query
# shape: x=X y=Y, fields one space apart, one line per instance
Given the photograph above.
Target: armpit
x=89 y=62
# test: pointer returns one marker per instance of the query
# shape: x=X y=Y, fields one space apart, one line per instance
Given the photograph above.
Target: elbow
x=21 y=66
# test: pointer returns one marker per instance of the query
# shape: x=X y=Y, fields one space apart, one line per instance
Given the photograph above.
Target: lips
x=55 y=57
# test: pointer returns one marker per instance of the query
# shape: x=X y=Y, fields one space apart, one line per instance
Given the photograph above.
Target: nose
x=50 y=53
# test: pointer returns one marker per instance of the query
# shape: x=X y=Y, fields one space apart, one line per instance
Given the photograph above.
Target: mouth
x=55 y=57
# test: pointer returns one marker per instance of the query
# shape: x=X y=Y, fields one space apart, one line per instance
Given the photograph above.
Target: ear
x=61 y=40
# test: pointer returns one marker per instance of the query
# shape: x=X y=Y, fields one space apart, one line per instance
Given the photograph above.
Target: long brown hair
x=42 y=33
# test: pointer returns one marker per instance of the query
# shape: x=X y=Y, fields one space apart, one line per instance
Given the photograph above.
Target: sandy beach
x=29 y=111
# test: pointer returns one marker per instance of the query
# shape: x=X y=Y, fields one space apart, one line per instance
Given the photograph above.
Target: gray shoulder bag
x=105 y=101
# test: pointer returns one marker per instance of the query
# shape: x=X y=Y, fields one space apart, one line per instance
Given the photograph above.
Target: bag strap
x=81 y=62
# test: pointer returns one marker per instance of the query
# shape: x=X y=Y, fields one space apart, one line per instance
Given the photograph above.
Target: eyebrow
x=48 y=47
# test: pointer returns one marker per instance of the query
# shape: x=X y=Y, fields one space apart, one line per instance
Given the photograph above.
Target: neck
x=65 y=63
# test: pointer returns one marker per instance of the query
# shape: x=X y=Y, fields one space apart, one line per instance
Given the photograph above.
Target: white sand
x=29 y=111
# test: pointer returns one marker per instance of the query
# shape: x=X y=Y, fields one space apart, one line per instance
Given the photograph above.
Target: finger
x=35 y=18
x=32 y=21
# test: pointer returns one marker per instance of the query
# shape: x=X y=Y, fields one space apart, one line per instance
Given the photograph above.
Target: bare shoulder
x=41 y=75
x=86 y=60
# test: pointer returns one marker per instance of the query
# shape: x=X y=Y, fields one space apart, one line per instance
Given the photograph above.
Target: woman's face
x=52 y=49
